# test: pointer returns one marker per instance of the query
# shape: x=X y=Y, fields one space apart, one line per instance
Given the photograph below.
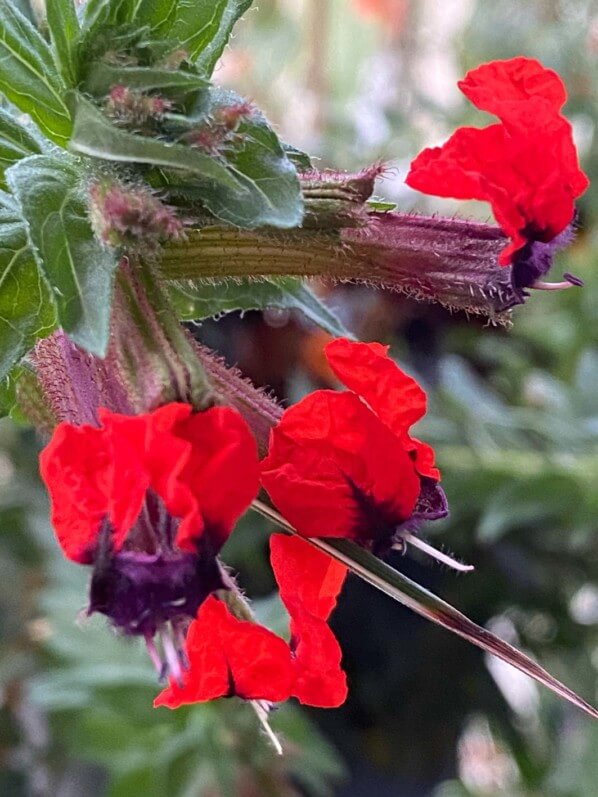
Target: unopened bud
x=135 y=109
x=124 y=216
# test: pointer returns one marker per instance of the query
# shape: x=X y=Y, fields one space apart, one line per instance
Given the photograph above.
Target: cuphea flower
x=526 y=166
x=230 y=657
x=149 y=500
x=344 y=464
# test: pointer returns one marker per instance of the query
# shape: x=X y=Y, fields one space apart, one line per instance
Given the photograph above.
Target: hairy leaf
x=194 y=300
x=256 y=158
x=78 y=269
x=26 y=308
x=16 y=142
x=301 y=159
x=28 y=75
x=96 y=136
x=101 y=13
x=201 y=28
x=102 y=77
x=64 y=32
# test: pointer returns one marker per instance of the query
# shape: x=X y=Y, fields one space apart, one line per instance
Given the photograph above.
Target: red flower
x=149 y=500
x=526 y=167
x=344 y=464
x=94 y=474
x=228 y=656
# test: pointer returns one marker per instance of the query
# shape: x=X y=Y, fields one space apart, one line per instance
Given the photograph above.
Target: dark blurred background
x=514 y=418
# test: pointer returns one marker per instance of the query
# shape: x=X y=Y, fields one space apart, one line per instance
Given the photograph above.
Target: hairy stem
x=449 y=261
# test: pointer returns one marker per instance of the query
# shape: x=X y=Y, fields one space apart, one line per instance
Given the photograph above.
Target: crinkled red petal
x=335 y=470
x=395 y=397
x=320 y=681
x=230 y=657
x=310 y=582
x=495 y=86
x=222 y=472
x=75 y=467
x=307 y=578
x=366 y=369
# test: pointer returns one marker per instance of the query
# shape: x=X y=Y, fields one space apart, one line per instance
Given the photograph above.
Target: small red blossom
x=526 y=167
x=231 y=657
x=202 y=466
x=149 y=500
x=344 y=464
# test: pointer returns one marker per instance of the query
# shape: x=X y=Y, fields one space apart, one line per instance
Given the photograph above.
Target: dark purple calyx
x=150 y=587
x=534 y=260
x=431 y=504
x=141 y=592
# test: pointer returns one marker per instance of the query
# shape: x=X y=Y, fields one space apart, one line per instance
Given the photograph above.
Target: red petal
x=395 y=397
x=335 y=470
x=495 y=86
x=228 y=657
x=307 y=578
x=366 y=369
x=309 y=583
x=74 y=466
x=320 y=680
x=455 y=169
x=222 y=472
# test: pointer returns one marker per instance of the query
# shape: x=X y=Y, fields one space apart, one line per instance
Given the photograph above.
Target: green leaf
x=8 y=394
x=423 y=602
x=195 y=300
x=26 y=307
x=64 y=32
x=201 y=28
x=258 y=161
x=28 y=75
x=16 y=142
x=96 y=136
x=300 y=159
x=101 y=13
x=102 y=77
x=381 y=207
x=78 y=269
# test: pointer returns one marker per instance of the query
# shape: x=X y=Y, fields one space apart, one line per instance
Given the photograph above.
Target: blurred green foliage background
x=514 y=417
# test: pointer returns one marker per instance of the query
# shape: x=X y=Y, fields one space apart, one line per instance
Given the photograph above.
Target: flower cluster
x=526 y=166
x=135 y=109
x=149 y=500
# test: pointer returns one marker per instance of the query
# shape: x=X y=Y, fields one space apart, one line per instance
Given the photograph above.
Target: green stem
x=157 y=355
x=448 y=261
